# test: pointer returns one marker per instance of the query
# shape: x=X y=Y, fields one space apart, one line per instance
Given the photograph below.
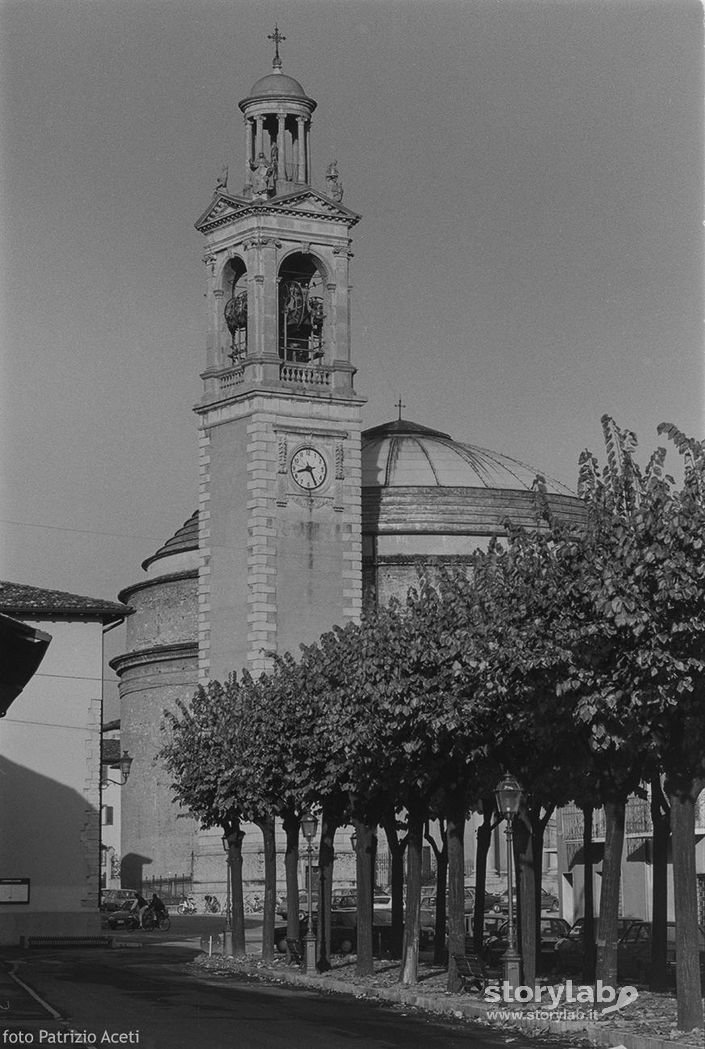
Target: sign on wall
x=14 y=890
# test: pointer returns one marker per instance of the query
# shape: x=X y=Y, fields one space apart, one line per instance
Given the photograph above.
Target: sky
x=530 y=179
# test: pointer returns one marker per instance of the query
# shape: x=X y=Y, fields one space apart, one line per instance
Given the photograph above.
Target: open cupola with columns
x=278 y=257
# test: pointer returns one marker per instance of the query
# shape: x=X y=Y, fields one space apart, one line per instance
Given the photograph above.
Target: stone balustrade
x=305 y=374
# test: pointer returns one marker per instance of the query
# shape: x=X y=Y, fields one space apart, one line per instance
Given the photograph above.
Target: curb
x=615 y=1038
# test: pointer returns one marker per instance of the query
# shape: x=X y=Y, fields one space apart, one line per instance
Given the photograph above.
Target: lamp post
x=508 y=794
x=124 y=765
x=309 y=825
x=228 y=930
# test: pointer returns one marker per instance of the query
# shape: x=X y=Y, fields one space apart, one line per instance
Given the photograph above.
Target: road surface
x=152 y=998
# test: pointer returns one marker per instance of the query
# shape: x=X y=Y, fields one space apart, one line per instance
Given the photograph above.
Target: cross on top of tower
x=399 y=407
x=277 y=37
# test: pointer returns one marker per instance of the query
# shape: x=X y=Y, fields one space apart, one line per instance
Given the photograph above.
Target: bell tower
x=279 y=419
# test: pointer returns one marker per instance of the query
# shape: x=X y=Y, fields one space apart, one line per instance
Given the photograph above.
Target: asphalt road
x=148 y=996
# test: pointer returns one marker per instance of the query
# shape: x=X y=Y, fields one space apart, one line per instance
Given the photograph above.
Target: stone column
x=258 y=136
x=308 y=153
x=300 y=173
x=341 y=298
x=248 y=150
x=281 y=139
x=219 y=327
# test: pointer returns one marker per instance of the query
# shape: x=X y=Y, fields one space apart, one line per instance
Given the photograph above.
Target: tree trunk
x=526 y=895
x=235 y=838
x=270 y=888
x=690 y=1005
x=412 y=923
x=365 y=856
x=661 y=824
x=539 y=822
x=440 y=917
x=292 y=825
x=589 y=897
x=484 y=839
x=396 y=851
x=455 y=839
x=606 y=969
x=326 y=855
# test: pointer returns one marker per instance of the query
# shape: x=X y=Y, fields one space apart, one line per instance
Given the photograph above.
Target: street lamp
x=228 y=931
x=309 y=825
x=508 y=794
x=124 y=764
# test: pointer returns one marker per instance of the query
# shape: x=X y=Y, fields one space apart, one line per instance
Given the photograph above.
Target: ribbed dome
x=405 y=454
x=185 y=538
x=277 y=83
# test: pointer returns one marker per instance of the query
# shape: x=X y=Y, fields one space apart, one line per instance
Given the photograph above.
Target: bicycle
x=187 y=906
x=211 y=904
x=151 y=920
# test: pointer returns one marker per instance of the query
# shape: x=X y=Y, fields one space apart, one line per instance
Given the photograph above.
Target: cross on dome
x=399 y=407
x=277 y=37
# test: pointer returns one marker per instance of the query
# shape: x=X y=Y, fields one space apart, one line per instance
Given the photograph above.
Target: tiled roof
x=20 y=599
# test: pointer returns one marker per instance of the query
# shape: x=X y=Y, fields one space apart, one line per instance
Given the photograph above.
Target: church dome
x=405 y=454
x=184 y=539
x=277 y=83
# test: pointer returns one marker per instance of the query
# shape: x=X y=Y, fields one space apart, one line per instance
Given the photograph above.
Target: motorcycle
x=187 y=905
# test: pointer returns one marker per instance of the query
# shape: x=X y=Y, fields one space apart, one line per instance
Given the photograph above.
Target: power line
x=81 y=531
x=76 y=677
x=52 y=724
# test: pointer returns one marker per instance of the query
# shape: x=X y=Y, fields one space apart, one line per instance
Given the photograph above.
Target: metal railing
x=171 y=889
x=637 y=820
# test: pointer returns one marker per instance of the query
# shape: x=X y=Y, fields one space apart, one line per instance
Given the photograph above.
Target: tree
x=196 y=752
x=639 y=654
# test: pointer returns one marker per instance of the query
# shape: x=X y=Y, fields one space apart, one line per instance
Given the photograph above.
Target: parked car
x=344 y=899
x=340 y=901
x=634 y=951
x=124 y=916
x=549 y=901
x=113 y=899
x=501 y=903
x=283 y=911
x=571 y=950
x=347 y=900
x=343 y=933
x=553 y=929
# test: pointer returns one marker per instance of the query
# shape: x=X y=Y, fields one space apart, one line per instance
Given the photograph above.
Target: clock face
x=308 y=468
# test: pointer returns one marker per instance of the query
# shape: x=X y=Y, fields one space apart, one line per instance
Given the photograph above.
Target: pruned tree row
x=572 y=658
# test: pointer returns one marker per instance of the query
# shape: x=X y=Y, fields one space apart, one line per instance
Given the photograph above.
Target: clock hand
x=303 y=469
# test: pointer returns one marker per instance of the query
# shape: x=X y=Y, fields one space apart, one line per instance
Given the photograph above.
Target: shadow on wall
x=132 y=870
x=49 y=833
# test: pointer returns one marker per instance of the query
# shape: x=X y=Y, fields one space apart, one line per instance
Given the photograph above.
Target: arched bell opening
x=235 y=309
x=302 y=310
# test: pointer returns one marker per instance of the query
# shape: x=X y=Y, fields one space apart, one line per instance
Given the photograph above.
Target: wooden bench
x=294 y=951
x=472 y=971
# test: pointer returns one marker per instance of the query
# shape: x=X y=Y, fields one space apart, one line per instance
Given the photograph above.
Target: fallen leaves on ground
x=653 y=1015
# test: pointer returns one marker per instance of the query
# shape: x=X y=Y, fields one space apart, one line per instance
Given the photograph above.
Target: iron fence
x=171 y=889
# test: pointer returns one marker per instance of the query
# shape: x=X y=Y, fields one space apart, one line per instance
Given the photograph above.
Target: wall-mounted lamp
x=125 y=764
